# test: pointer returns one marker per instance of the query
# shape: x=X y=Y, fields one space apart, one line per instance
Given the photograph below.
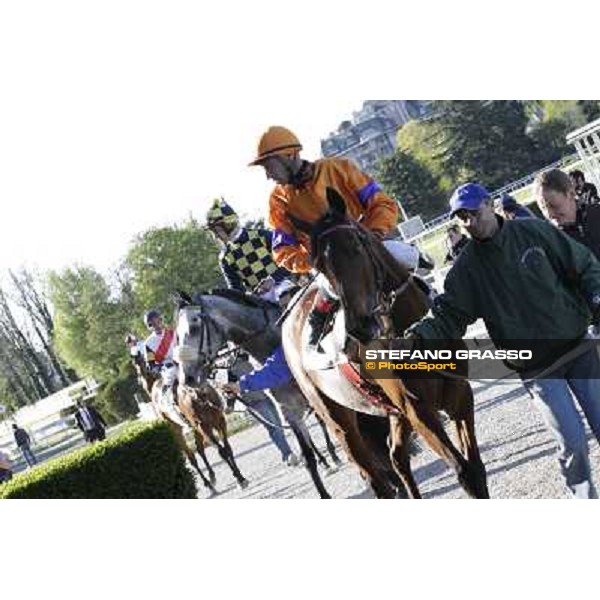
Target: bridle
x=385 y=300
x=207 y=359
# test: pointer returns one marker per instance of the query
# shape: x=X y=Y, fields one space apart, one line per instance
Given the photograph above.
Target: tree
x=116 y=400
x=590 y=109
x=409 y=181
x=165 y=259
x=421 y=140
x=485 y=141
x=91 y=323
x=31 y=298
x=554 y=120
x=550 y=138
x=569 y=112
x=22 y=361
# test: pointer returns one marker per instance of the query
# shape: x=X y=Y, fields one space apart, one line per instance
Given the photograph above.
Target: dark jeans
x=97 y=434
x=28 y=455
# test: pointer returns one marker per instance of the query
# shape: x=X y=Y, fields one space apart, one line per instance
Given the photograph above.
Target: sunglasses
x=464 y=215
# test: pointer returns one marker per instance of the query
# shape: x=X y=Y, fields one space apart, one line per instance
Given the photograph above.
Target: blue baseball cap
x=508 y=200
x=468 y=197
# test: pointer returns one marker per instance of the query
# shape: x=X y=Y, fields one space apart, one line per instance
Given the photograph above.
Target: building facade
x=371 y=134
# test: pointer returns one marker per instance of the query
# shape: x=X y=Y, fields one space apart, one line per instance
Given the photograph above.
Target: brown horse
x=363 y=437
x=374 y=289
x=203 y=410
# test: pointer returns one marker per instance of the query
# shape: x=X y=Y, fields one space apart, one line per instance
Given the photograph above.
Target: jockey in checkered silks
x=246 y=256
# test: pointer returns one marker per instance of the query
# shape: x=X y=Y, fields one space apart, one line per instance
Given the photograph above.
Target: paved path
x=519 y=455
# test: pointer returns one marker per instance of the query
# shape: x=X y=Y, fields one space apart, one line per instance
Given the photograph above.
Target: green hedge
x=141 y=461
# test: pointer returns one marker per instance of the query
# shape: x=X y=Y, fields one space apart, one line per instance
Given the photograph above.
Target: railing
x=518 y=184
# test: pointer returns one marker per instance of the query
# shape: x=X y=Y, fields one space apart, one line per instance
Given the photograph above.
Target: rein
x=559 y=362
x=385 y=299
x=256 y=415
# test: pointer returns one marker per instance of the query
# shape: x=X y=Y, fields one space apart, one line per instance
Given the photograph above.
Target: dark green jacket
x=529 y=282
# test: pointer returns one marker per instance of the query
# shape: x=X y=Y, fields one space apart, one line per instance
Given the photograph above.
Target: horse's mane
x=395 y=272
x=248 y=300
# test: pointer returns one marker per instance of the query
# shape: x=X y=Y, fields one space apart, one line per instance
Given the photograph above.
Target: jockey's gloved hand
x=413 y=340
x=155 y=369
x=410 y=334
x=266 y=285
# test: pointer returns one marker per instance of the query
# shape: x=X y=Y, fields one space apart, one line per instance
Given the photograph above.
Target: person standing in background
x=90 y=421
x=24 y=443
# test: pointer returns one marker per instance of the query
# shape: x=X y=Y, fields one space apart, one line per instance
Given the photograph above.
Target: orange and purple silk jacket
x=362 y=195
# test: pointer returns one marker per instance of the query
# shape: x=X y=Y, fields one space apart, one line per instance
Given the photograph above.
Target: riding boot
x=318 y=319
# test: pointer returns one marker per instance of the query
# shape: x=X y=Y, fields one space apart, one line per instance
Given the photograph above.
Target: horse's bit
x=208 y=358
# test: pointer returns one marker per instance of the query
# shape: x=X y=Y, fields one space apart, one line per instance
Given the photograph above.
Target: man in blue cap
x=511 y=209
x=529 y=281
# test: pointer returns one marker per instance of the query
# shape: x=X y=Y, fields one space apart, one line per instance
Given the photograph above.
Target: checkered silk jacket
x=247 y=259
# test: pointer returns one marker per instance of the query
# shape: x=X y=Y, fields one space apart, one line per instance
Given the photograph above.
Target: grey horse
x=204 y=326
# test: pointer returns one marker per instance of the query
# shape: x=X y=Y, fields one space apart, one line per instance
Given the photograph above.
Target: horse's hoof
x=401 y=494
x=244 y=483
x=212 y=492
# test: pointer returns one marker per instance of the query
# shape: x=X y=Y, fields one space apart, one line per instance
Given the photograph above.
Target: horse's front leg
x=400 y=432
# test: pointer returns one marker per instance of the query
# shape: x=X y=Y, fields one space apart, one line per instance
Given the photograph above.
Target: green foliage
x=142 y=461
x=569 y=112
x=550 y=140
x=94 y=313
x=484 y=141
x=116 y=400
x=590 y=109
x=90 y=324
x=409 y=181
x=7 y=396
x=170 y=258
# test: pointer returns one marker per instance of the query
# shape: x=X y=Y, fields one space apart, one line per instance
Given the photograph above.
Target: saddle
x=339 y=376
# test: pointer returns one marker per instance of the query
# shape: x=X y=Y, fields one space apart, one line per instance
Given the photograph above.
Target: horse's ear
x=337 y=206
x=182 y=298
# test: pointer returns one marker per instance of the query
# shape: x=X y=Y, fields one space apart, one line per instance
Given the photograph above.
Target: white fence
x=442 y=221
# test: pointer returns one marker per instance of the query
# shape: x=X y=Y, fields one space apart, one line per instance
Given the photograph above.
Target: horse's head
x=196 y=348
x=355 y=262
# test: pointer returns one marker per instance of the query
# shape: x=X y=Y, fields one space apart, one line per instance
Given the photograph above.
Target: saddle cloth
x=332 y=372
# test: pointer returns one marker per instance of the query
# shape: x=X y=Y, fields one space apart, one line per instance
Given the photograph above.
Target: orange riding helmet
x=277 y=141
